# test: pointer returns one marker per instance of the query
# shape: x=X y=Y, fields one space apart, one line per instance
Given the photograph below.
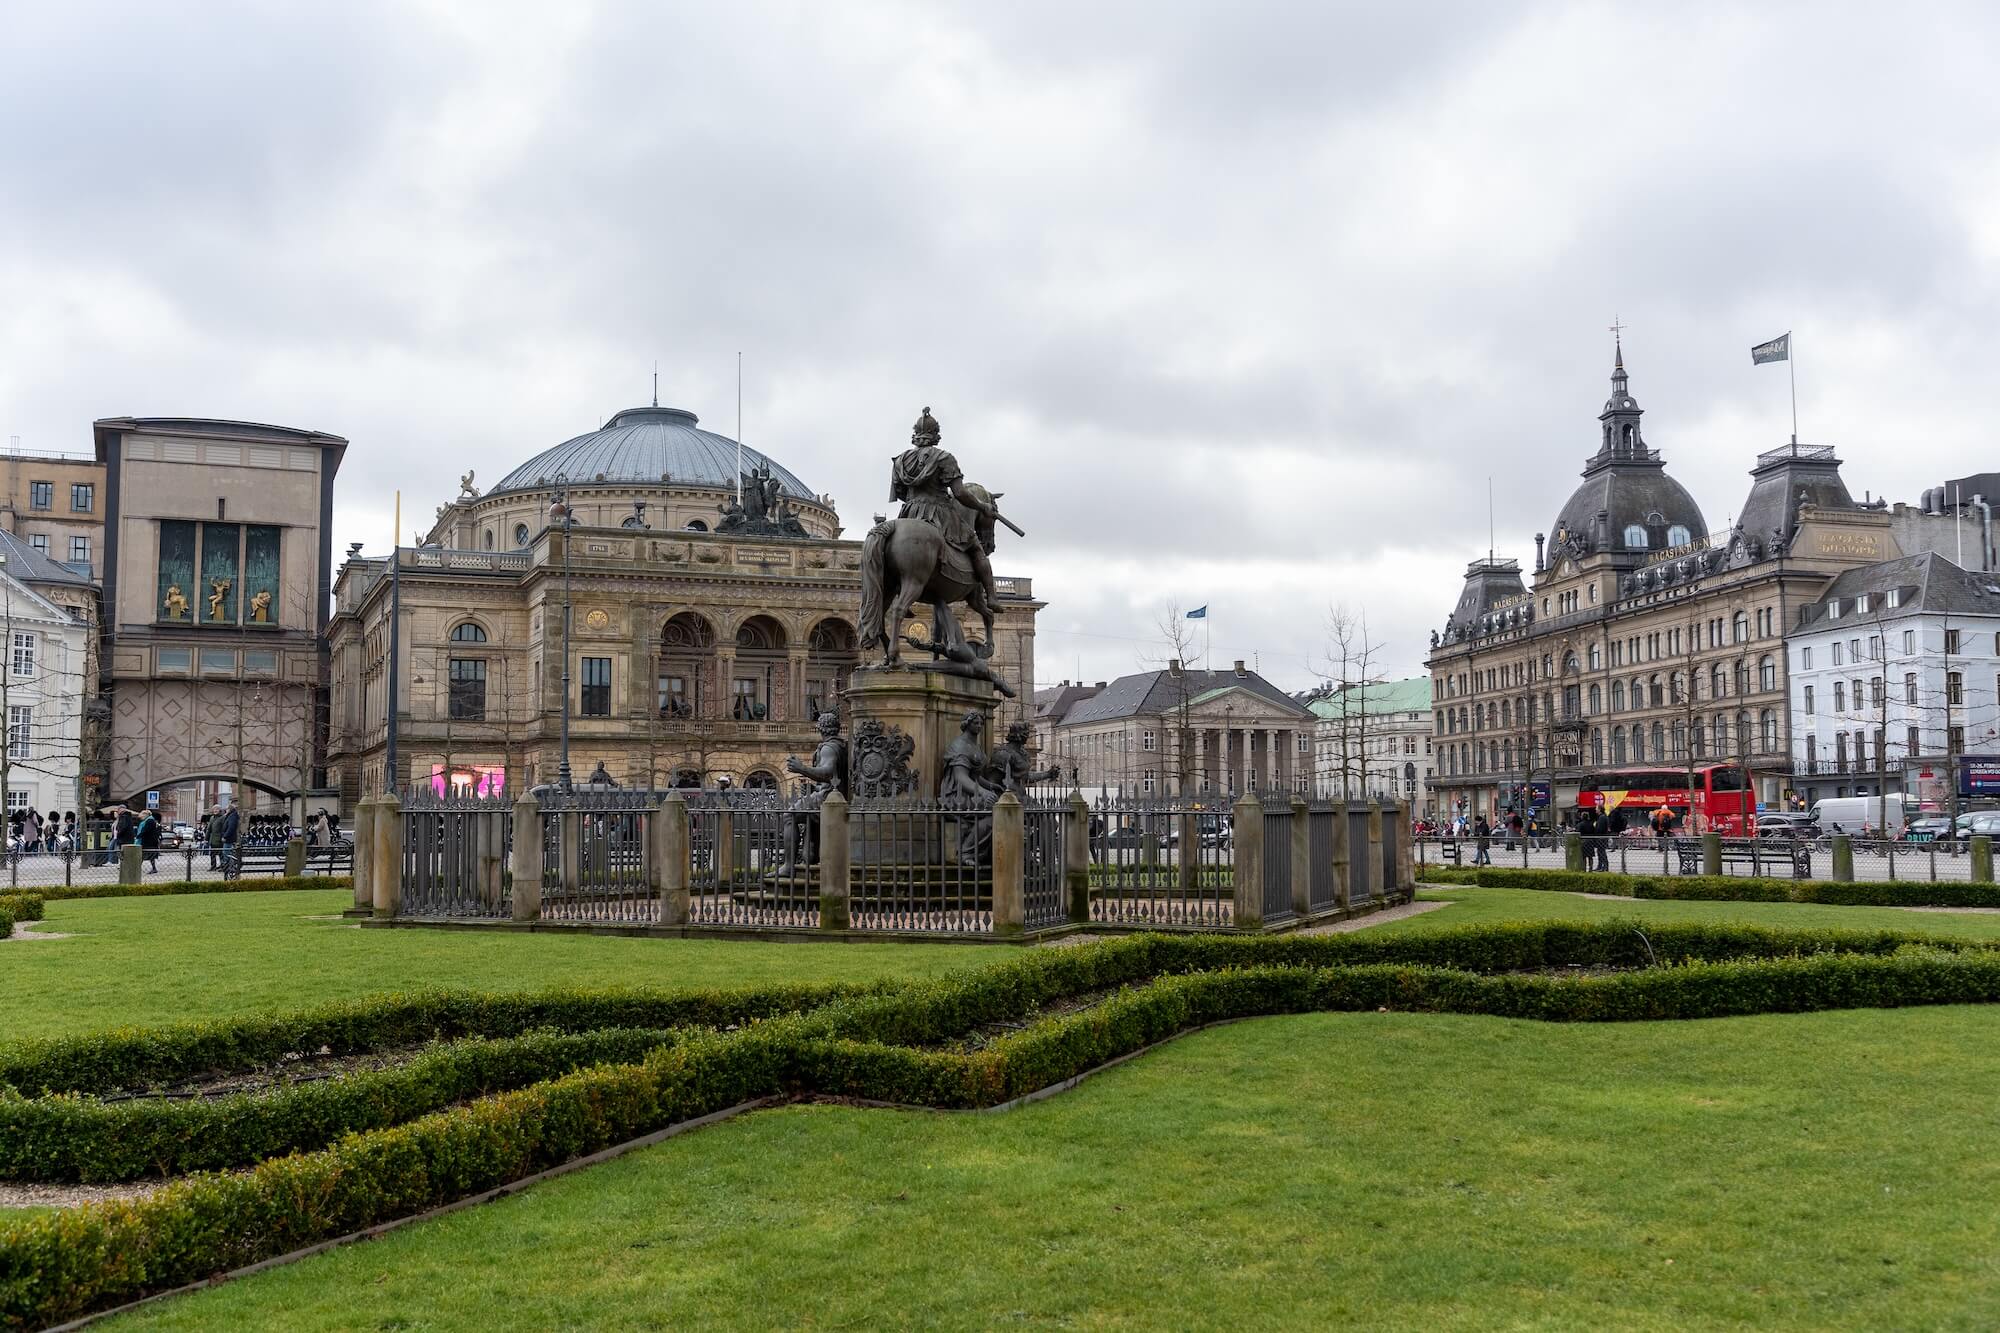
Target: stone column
x=1981 y=869
x=570 y=823
x=1375 y=857
x=527 y=859
x=364 y=855
x=1007 y=839
x=1711 y=853
x=667 y=858
x=1843 y=859
x=1076 y=857
x=1271 y=757
x=1301 y=858
x=795 y=689
x=295 y=858
x=130 y=867
x=725 y=683
x=388 y=856
x=1247 y=838
x=1200 y=758
x=835 y=855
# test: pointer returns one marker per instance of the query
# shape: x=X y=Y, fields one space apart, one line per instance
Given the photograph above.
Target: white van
x=1852 y=812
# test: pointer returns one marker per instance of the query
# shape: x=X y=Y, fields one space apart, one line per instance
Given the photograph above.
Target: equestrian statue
x=936 y=552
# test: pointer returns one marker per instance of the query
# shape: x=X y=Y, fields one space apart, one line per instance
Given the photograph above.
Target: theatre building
x=1640 y=637
x=707 y=633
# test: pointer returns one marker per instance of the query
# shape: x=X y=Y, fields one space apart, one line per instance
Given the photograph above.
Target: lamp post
x=560 y=509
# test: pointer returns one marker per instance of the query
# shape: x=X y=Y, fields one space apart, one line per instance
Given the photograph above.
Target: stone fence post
x=527 y=859
x=489 y=867
x=667 y=858
x=1076 y=857
x=364 y=855
x=1342 y=889
x=571 y=824
x=1008 y=833
x=1406 y=851
x=1981 y=869
x=835 y=857
x=1711 y=853
x=295 y=858
x=1247 y=840
x=1375 y=858
x=1843 y=858
x=1573 y=852
x=1301 y=858
x=130 y=868
x=388 y=857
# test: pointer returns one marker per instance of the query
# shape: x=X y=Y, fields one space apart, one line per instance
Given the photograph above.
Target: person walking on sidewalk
x=1483 y=833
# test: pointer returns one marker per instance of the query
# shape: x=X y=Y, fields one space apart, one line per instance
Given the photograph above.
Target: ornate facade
x=707 y=632
x=1643 y=639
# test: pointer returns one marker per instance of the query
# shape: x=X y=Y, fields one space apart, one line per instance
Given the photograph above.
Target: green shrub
x=22 y=906
x=70 y=1138
x=138 y=1058
x=6 y=923
x=1728 y=888
x=162 y=887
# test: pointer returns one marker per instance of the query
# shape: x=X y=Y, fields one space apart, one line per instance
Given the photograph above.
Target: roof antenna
x=1489 y=519
x=656 y=384
x=739 y=428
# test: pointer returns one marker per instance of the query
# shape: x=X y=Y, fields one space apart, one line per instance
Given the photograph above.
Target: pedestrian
x=121 y=831
x=230 y=829
x=211 y=833
x=147 y=834
x=1601 y=839
x=1516 y=828
x=1482 y=832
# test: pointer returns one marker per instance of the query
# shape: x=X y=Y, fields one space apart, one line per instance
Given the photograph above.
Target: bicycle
x=232 y=863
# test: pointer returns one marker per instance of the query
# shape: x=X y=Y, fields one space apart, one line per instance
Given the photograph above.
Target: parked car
x=1785 y=824
x=1978 y=824
x=1931 y=828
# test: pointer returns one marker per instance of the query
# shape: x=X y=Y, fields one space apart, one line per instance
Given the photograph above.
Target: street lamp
x=559 y=509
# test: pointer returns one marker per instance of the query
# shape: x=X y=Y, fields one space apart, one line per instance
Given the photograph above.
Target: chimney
x=1102 y=683
x=1539 y=539
x=1239 y=668
x=1173 y=666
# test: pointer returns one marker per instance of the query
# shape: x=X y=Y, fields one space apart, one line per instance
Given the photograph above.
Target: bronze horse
x=905 y=561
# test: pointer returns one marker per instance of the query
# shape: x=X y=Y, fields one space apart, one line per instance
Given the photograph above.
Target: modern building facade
x=706 y=634
x=1374 y=742
x=48 y=726
x=1895 y=681
x=1643 y=638
x=215 y=593
x=1181 y=732
x=55 y=503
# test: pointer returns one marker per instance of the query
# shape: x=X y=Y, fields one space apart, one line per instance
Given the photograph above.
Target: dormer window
x=1893 y=598
x=1833 y=610
x=1861 y=605
x=1678 y=536
x=1635 y=538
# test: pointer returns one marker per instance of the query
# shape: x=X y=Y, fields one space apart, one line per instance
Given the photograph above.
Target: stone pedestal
x=927 y=706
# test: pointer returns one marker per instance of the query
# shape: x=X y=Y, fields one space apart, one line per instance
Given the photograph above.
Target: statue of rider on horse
x=936 y=552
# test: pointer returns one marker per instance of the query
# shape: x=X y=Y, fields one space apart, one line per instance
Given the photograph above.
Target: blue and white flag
x=1778 y=349
x=1199 y=613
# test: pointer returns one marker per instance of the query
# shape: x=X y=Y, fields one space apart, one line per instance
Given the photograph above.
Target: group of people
x=29 y=831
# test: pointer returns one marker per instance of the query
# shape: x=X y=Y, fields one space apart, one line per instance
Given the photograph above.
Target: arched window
x=1507 y=756
x=1569 y=664
x=1678 y=536
x=1718 y=684
x=1617 y=696
x=758 y=686
x=1680 y=741
x=1638 y=743
x=696 y=525
x=761 y=779
x=1635 y=538
x=1618 y=745
x=1767 y=732
x=1630 y=434
x=1767 y=674
x=1597 y=745
x=486 y=539
x=1742 y=676
x=1659 y=741
x=685 y=681
x=832 y=653
x=1694 y=740
x=1596 y=701
x=1657 y=694
x=1739 y=628
x=467 y=632
x=521 y=535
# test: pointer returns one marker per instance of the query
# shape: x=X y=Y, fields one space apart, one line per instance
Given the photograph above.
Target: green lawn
x=155 y=960
x=1380 y=1170
x=1478 y=906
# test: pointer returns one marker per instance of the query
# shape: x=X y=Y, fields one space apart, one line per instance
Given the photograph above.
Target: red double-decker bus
x=1721 y=801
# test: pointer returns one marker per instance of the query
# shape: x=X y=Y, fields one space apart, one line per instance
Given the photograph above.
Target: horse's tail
x=874 y=585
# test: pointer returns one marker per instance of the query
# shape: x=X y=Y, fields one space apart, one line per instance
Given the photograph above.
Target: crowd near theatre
x=710 y=599
x=1816 y=647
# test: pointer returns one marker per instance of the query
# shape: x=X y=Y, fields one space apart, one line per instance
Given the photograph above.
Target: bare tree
x=1350 y=667
x=1184 y=656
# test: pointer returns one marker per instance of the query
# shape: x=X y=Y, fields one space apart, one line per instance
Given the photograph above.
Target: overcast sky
x=1239 y=304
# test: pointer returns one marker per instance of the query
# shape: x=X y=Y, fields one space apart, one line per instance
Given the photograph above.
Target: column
x=795 y=692
x=1271 y=757
x=1200 y=759
x=725 y=684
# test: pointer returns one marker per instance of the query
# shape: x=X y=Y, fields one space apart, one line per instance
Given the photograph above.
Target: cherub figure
x=218 y=590
x=177 y=602
x=260 y=606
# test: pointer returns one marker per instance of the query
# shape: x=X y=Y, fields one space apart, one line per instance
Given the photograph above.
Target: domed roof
x=641 y=444
x=1627 y=482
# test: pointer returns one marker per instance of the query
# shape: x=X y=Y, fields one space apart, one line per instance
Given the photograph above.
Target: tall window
x=1951 y=641
x=468 y=688
x=20 y=729
x=1839 y=696
x=79 y=549
x=1913 y=744
x=1739 y=628
x=1954 y=681
x=596 y=700
x=1909 y=687
x=82 y=495
x=41 y=495
x=24 y=654
x=1767 y=674
x=1146 y=740
x=1875 y=691
x=1767 y=731
x=1809 y=700
x=40 y=541
x=746 y=706
x=1805 y=659
x=672 y=697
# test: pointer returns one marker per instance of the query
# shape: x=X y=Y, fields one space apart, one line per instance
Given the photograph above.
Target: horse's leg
x=910 y=582
x=979 y=604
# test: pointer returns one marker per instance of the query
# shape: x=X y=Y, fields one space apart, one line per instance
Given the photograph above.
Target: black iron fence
x=1163 y=862
x=454 y=857
x=920 y=865
x=1044 y=830
x=1874 y=859
x=751 y=861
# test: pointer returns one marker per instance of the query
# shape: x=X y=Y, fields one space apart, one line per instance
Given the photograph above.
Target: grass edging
x=1725 y=888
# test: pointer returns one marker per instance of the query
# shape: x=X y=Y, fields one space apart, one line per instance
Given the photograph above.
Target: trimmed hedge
x=66 y=1138
x=60 y=1265
x=22 y=906
x=166 y=888
x=140 y=1058
x=1730 y=888
x=6 y=923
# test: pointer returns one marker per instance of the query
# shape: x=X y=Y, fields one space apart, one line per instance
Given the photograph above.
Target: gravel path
x=1381 y=918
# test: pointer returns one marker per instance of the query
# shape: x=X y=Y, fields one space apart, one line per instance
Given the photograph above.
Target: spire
x=1620 y=418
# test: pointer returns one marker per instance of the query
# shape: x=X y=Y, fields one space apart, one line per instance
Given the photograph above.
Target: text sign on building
x=152 y=800
x=1978 y=776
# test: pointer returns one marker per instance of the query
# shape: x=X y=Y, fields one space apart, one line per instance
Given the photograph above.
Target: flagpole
x=1792 y=369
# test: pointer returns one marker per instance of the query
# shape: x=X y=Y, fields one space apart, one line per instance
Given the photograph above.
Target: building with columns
x=1374 y=742
x=1180 y=732
x=1643 y=639
x=706 y=635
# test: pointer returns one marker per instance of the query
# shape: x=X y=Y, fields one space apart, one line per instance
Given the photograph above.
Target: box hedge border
x=60 y=1265
x=168 y=888
x=1729 y=888
x=22 y=906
